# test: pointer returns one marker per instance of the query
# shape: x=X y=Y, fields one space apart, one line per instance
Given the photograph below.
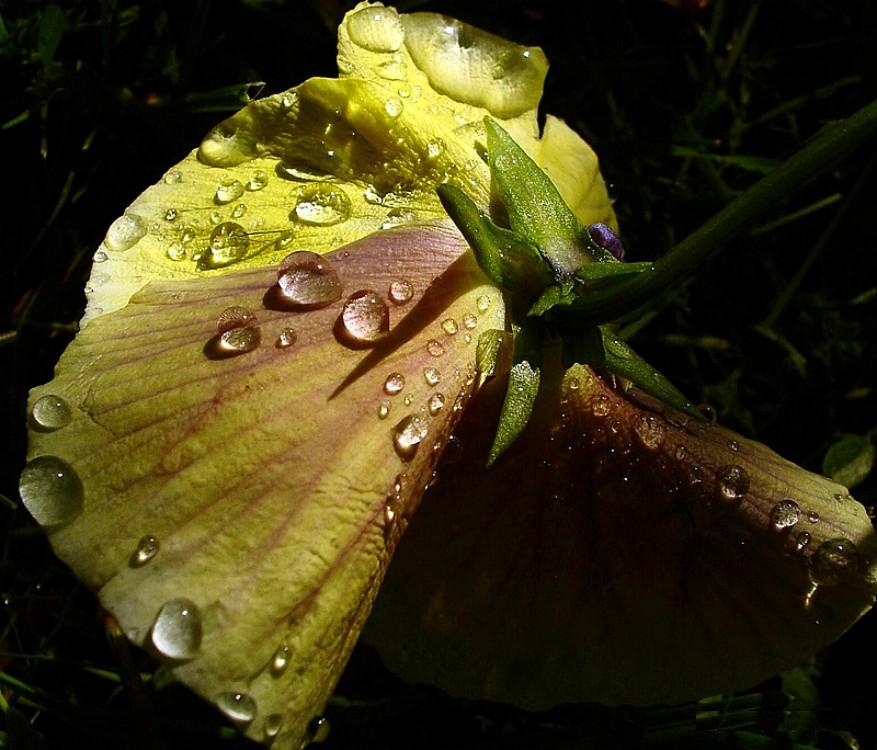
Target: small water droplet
x=831 y=560
x=732 y=482
x=397 y=216
x=708 y=411
x=733 y=445
x=234 y=317
x=51 y=490
x=273 y=723
x=408 y=434
x=813 y=516
x=170 y=214
x=449 y=326
x=435 y=348
x=176 y=251
x=287 y=338
x=650 y=430
x=176 y=632
x=50 y=413
x=228 y=191
x=365 y=318
x=802 y=540
x=322 y=205
x=470 y=321
x=100 y=257
x=318 y=729
x=393 y=107
x=483 y=303
x=681 y=452
x=229 y=242
x=146 y=549
x=173 y=178
x=785 y=514
x=574 y=384
x=239 y=210
x=409 y=399
x=394 y=383
x=308 y=280
x=258 y=180
x=372 y=196
x=238 y=707
x=125 y=232
x=280 y=660
x=435 y=148
x=432 y=376
x=601 y=406
x=615 y=426
x=401 y=291
x=215 y=217
x=240 y=340
x=436 y=403
x=383 y=409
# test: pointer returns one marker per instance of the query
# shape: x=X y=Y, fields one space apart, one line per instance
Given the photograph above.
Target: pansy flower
x=287 y=341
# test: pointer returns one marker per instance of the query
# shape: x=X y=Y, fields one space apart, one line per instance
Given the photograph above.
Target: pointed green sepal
x=507 y=260
x=563 y=294
x=488 y=350
x=596 y=272
x=536 y=210
x=520 y=398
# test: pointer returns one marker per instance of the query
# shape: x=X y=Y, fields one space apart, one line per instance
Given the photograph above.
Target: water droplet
x=435 y=148
x=483 y=303
x=170 y=214
x=409 y=399
x=258 y=180
x=307 y=280
x=432 y=376
x=732 y=482
x=708 y=411
x=813 y=516
x=372 y=196
x=322 y=205
x=146 y=549
x=436 y=403
x=238 y=707
x=376 y=29
x=229 y=242
x=397 y=216
x=125 y=232
x=318 y=729
x=240 y=340
x=401 y=291
x=393 y=107
x=435 y=348
x=394 y=383
x=215 y=217
x=449 y=326
x=51 y=491
x=100 y=257
x=234 y=317
x=681 y=452
x=173 y=178
x=785 y=514
x=392 y=70
x=601 y=406
x=383 y=409
x=802 y=540
x=176 y=632
x=228 y=191
x=407 y=436
x=365 y=318
x=831 y=560
x=733 y=445
x=273 y=723
x=287 y=338
x=650 y=430
x=239 y=210
x=176 y=251
x=280 y=660
x=50 y=413
x=469 y=321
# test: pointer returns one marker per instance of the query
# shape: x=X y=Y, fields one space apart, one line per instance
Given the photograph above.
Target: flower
x=283 y=341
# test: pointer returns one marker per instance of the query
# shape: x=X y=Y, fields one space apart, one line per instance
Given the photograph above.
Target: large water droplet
x=408 y=434
x=307 y=280
x=449 y=326
x=483 y=303
x=229 y=242
x=376 y=29
x=394 y=383
x=322 y=205
x=258 y=180
x=650 y=430
x=125 y=232
x=831 y=560
x=176 y=632
x=51 y=490
x=401 y=291
x=226 y=145
x=146 y=549
x=435 y=348
x=234 y=317
x=228 y=191
x=393 y=107
x=784 y=515
x=239 y=707
x=469 y=321
x=432 y=376
x=732 y=482
x=50 y=413
x=240 y=340
x=365 y=318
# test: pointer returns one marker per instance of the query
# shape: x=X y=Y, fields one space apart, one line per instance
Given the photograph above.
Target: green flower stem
x=735 y=219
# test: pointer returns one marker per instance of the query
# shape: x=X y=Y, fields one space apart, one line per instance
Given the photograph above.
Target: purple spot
x=602 y=236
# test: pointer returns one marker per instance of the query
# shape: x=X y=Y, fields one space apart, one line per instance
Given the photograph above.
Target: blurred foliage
x=686 y=110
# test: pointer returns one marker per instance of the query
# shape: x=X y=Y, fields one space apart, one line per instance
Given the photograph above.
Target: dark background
x=686 y=109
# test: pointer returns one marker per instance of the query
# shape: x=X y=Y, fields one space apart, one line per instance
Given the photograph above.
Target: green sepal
x=488 y=350
x=525 y=376
x=596 y=272
x=563 y=294
x=535 y=208
x=507 y=259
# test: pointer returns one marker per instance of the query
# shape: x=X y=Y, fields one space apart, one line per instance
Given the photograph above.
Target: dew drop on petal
x=469 y=321
x=125 y=232
x=176 y=632
x=287 y=338
x=240 y=340
x=600 y=406
x=308 y=280
x=830 y=560
x=371 y=195
x=708 y=411
x=322 y=205
x=280 y=660
x=813 y=516
x=229 y=243
x=239 y=210
x=170 y=214
x=257 y=181
x=401 y=291
x=784 y=515
x=732 y=482
x=273 y=723
x=100 y=257
x=802 y=540
x=681 y=452
x=407 y=436
x=393 y=107
x=234 y=317
x=394 y=383
x=50 y=413
x=318 y=730
x=449 y=326
x=228 y=191
x=383 y=409
x=239 y=707
x=146 y=549
x=435 y=348
x=376 y=29
x=432 y=376
x=650 y=430
x=436 y=403
x=173 y=178
x=733 y=445
x=51 y=490
x=365 y=318
x=483 y=303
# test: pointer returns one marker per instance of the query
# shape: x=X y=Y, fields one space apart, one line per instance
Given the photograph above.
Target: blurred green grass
x=685 y=110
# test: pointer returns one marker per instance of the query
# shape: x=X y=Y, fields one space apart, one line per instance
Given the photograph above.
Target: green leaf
x=536 y=209
x=849 y=460
x=523 y=387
